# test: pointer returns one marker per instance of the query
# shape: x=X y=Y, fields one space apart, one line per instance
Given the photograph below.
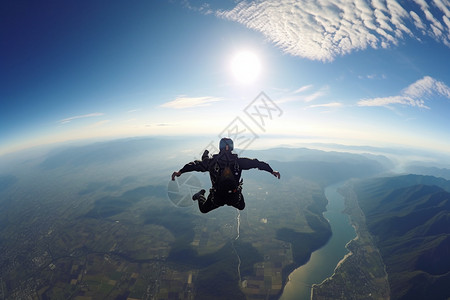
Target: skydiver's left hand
x=175 y=174
x=276 y=174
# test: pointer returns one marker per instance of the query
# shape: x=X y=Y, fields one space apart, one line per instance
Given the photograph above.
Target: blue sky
x=372 y=73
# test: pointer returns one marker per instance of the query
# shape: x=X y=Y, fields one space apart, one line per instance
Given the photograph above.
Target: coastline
x=361 y=272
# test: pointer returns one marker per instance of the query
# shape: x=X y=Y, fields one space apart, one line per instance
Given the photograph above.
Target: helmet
x=224 y=142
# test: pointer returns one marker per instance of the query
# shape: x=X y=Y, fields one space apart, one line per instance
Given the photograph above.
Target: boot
x=199 y=195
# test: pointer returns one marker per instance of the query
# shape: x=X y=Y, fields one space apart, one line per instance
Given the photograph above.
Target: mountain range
x=409 y=218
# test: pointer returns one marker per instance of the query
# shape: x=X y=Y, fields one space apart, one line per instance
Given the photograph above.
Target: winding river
x=323 y=261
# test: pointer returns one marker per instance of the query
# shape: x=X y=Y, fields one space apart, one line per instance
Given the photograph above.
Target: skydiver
x=225 y=173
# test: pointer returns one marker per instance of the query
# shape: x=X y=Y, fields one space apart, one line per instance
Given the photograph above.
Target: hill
x=424 y=170
x=409 y=216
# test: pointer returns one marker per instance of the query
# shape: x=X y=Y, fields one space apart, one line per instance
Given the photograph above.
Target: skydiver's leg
x=205 y=205
x=239 y=203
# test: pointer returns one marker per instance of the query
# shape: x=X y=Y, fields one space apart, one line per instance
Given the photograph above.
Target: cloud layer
x=414 y=95
x=322 y=30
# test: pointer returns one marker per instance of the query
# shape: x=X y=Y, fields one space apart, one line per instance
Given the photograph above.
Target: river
x=323 y=261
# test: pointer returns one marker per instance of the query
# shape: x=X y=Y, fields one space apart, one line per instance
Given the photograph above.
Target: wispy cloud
x=414 y=95
x=372 y=76
x=305 y=93
x=187 y=102
x=329 y=105
x=67 y=120
x=303 y=88
x=388 y=101
x=161 y=125
x=316 y=95
x=322 y=30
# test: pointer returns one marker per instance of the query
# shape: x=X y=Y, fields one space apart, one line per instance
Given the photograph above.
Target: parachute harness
x=220 y=160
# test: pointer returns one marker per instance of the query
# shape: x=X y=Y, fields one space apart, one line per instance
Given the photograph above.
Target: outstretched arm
x=197 y=165
x=247 y=164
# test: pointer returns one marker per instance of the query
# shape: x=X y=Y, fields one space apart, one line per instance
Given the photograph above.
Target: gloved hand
x=175 y=174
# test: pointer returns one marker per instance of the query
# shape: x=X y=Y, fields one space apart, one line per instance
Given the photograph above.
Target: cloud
x=300 y=95
x=161 y=125
x=323 y=30
x=67 y=120
x=427 y=86
x=372 y=76
x=332 y=104
x=387 y=101
x=315 y=95
x=188 y=102
x=303 y=88
x=414 y=95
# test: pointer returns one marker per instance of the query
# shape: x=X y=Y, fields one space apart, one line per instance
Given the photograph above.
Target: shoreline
x=361 y=272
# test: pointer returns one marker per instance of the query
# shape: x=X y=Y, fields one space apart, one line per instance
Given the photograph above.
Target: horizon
x=195 y=145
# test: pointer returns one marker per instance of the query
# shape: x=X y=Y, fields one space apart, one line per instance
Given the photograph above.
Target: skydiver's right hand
x=276 y=174
x=175 y=174
x=205 y=154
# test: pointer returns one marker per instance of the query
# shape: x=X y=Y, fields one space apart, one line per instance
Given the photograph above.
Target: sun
x=246 y=67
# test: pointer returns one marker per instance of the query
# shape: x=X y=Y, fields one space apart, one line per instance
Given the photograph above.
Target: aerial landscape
x=81 y=222
x=103 y=104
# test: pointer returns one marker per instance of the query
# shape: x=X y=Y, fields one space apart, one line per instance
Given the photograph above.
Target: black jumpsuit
x=211 y=165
